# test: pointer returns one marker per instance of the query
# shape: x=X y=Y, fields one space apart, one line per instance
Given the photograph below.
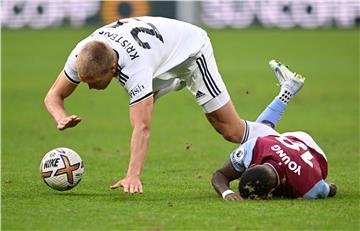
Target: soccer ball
x=61 y=169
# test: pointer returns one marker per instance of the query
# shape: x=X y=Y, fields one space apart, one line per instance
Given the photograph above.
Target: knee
x=230 y=132
x=233 y=136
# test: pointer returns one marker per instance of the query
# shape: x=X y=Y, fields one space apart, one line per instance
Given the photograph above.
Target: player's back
x=147 y=48
x=300 y=166
x=152 y=42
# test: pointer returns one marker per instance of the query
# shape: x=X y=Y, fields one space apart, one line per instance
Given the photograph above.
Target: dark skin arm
x=221 y=180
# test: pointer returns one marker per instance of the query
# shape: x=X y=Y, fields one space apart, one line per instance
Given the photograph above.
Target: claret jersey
x=300 y=163
x=147 y=47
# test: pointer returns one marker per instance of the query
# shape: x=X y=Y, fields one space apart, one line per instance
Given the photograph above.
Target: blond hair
x=94 y=59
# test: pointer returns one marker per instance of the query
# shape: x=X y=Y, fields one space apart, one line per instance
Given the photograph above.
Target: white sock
x=285 y=95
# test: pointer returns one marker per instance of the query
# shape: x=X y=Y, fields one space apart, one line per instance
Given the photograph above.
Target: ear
x=273 y=174
x=114 y=68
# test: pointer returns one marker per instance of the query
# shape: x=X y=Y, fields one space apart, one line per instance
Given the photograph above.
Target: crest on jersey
x=238 y=155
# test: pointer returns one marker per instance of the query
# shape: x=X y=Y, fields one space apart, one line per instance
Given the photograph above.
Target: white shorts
x=207 y=85
x=202 y=79
x=216 y=103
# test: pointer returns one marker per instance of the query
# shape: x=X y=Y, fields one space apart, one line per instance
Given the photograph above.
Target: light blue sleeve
x=241 y=157
x=320 y=190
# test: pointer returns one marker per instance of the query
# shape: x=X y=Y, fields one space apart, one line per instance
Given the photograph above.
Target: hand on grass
x=233 y=197
x=68 y=122
x=131 y=184
x=333 y=189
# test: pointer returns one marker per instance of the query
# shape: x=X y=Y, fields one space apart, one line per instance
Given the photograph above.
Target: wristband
x=226 y=192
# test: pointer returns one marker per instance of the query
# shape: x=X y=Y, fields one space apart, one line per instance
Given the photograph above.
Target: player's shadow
x=113 y=196
x=80 y=194
x=110 y=196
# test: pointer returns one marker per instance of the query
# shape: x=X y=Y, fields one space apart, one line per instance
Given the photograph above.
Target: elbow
x=47 y=99
x=143 y=129
x=53 y=97
x=146 y=132
x=214 y=178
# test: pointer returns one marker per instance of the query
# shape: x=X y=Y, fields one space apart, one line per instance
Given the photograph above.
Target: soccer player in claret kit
x=288 y=165
x=149 y=57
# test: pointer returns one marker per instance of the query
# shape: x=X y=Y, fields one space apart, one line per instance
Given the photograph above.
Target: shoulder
x=70 y=64
x=241 y=157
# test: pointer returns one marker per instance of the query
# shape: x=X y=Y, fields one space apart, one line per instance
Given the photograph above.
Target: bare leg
x=227 y=122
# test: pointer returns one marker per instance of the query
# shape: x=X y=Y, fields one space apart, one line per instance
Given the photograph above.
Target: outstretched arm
x=221 y=181
x=54 y=102
x=140 y=118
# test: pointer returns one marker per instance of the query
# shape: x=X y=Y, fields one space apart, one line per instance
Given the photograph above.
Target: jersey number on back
x=153 y=31
x=306 y=156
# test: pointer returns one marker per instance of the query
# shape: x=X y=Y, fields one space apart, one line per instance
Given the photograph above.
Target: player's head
x=258 y=182
x=96 y=64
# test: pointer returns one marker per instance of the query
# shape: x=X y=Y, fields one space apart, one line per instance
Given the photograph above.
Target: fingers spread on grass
x=132 y=188
x=126 y=188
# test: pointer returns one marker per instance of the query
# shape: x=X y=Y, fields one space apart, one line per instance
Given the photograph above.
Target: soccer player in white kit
x=149 y=57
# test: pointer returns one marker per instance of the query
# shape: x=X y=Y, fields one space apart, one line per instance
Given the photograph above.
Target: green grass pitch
x=184 y=149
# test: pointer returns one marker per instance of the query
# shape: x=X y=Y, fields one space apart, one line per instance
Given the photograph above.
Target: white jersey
x=148 y=48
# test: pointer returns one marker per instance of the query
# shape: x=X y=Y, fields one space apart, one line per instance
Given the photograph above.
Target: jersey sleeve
x=70 y=68
x=139 y=86
x=320 y=190
x=237 y=159
x=241 y=157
